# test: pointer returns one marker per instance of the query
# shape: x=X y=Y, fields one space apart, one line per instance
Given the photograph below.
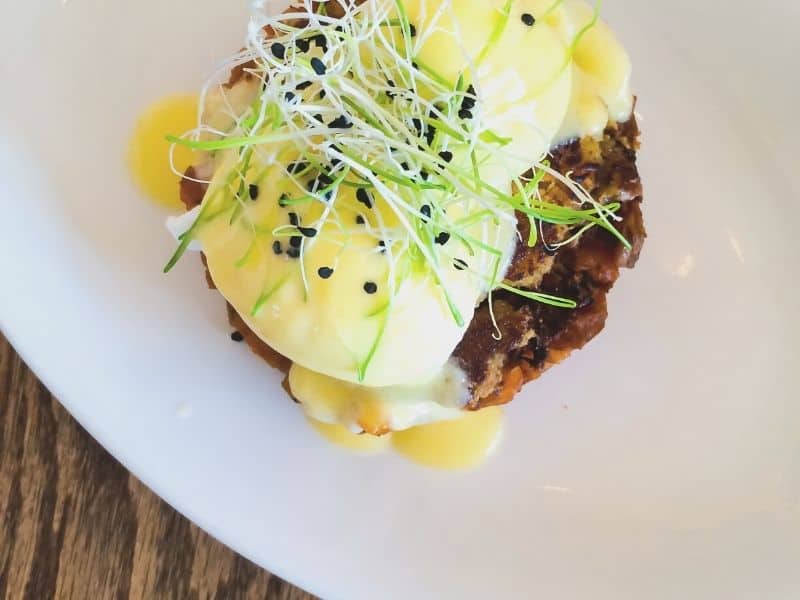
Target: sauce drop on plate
x=148 y=152
x=458 y=444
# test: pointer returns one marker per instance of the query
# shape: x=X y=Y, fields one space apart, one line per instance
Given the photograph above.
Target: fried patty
x=532 y=336
x=535 y=336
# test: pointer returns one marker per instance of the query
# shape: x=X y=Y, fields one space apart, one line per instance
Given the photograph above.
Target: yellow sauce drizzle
x=458 y=444
x=148 y=152
x=453 y=445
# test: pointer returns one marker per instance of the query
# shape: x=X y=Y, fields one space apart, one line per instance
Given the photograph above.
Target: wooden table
x=76 y=524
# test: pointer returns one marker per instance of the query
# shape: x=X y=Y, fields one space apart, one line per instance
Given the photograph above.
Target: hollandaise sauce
x=456 y=444
x=148 y=150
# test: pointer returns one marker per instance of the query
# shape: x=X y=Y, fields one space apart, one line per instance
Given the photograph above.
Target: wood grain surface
x=76 y=524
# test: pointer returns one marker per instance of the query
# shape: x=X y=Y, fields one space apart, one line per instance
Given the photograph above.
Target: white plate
x=660 y=462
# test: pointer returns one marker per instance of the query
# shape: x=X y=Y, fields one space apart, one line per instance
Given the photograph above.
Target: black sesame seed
x=430 y=133
x=252 y=190
x=302 y=45
x=404 y=166
x=276 y=247
x=290 y=96
x=278 y=50
x=318 y=117
x=468 y=102
x=324 y=272
x=320 y=40
x=414 y=64
x=442 y=238
x=464 y=114
x=318 y=66
x=293 y=219
x=426 y=212
x=360 y=220
x=424 y=174
x=459 y=264
x=237 y=336
x=363 y=196
x=308 y=232
x=412 y=29
x=446 y=155
x=295 y=241
x=297 y=167
x=528 y=19
x=302 y=86
x=324 y=180
x=283 y=200
x=341 y=122
x=293 y=253
x=370 y=287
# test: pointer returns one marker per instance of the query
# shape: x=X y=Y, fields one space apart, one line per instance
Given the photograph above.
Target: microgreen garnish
x=359 y=109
